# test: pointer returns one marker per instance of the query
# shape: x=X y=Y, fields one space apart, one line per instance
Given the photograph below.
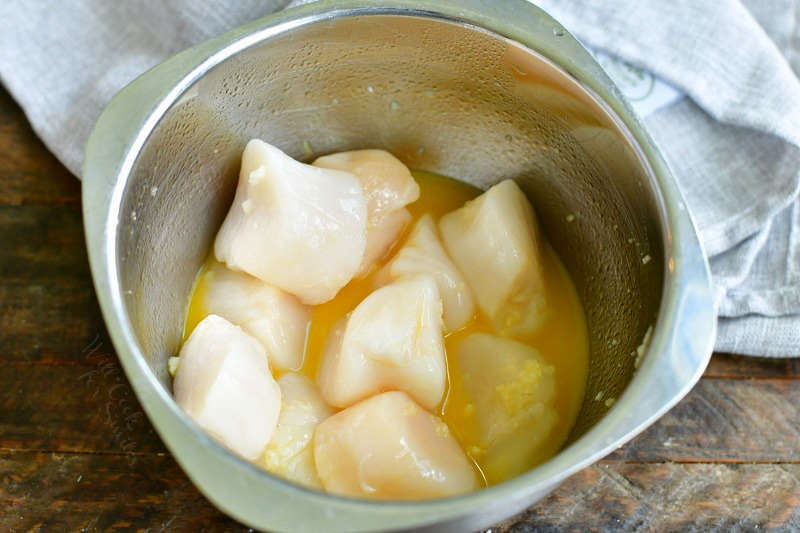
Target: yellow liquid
x=562 y=339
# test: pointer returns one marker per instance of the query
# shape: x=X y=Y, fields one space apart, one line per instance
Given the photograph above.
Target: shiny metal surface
x=469 y=89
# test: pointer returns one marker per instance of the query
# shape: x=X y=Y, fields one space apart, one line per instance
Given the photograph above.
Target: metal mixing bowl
x=476 y=90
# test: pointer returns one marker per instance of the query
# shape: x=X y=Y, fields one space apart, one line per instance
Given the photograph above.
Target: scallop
x=224 y=383
x=511 y=389
x=389 y=447
x=298 y=227
x=290 y=453
x=274 y=317
x=388 y=185
x=387 y=182
x=391 y=341
x=424 y=253
x=494 y=240
x=382 y=237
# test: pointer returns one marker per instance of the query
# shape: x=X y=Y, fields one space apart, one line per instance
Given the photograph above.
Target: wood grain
x=725 y=421
x=669 y=497
x=42 y=244
x=90 y=492
x=743 y=367
x=73 y=408
x=49 y=323
x=68 y=492
x=29 y=174
x=77 y=452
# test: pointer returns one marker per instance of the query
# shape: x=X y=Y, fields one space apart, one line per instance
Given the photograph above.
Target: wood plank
x=102 y=492
x=84 y=492
x=728 y=421
x=731 y=366
x=49 y=309
x=73 y=408
x=30 y=173
x=669 y=497
x=49 y=323
x=42 y=244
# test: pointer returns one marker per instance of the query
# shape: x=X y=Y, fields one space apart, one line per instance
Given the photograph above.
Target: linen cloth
x=730 y=131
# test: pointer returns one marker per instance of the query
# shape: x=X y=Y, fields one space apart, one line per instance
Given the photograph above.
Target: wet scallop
x=388 y=186
x=376 y=333
x=494 y=241
x=276 y=318
x=224 y=383
x=423 y=253
x=287 y=214
x=389 y=447
x=392 y=341
x=512 y=391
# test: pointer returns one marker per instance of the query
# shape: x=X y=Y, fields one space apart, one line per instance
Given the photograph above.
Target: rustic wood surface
x=77 y=452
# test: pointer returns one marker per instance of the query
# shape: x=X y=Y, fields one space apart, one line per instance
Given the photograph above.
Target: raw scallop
x=512 y=390
x=382 y=237
x=388 y=447
x=391 y=341
x=276 y=318
x=290 y=454
x=223 y=382
x=494 y=241
x=423 y=253
x=387 y=182
x=388 y=186
x=298 y=227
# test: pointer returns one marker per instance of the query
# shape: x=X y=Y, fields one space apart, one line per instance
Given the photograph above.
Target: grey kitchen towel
x=729 y=127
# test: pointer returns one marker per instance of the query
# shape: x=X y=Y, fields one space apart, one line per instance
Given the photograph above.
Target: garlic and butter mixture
x=380 y=333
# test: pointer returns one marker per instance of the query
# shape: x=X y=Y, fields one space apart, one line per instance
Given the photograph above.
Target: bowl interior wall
x=446 y=98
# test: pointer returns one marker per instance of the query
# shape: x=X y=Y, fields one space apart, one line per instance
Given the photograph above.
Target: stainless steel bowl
x=476 y=90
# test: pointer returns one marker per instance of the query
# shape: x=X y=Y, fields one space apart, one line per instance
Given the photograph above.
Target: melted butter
x=562 y=339
x=197 y=311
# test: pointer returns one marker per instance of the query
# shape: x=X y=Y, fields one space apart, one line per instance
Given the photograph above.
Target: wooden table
x=77 y=452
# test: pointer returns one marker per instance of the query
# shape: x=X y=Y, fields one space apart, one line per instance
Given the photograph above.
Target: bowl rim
x=682 y=336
